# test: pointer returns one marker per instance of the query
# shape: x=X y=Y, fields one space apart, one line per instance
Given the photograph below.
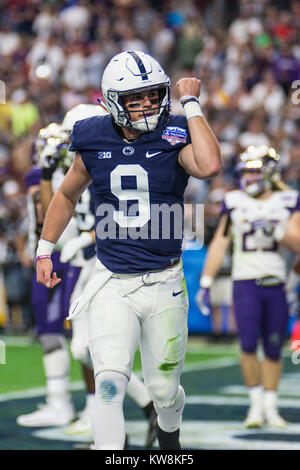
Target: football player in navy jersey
x=139 y=159
x=82 y=248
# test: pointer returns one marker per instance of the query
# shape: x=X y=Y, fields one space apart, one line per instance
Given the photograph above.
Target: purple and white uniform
x=259 y=310
x=50 y=306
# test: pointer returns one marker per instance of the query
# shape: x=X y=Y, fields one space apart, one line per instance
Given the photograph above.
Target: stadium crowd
x=52 y=56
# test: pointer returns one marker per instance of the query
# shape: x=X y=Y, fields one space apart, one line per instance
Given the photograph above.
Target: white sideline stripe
x=36 y=392
x=19 y=341
x=194 y=434
x=79 y=385
x=210 y=364
x=233 y=401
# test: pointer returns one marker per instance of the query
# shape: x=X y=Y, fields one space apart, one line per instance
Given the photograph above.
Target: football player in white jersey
x=139 y=152
x=259 y=218
x=50 y=310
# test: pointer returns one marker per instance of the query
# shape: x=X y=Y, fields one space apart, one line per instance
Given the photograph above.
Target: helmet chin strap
x=146 y=124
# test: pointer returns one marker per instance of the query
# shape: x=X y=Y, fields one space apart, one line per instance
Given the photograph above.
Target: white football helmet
x=262 y=160
x=79 y=112
x=130 y=72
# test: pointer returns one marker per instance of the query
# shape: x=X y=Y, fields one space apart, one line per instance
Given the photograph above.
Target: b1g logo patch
x=174 y=135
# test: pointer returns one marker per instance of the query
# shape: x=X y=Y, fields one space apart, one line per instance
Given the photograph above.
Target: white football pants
x=150 y=310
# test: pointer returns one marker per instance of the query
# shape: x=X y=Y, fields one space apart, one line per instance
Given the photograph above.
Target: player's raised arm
x=57 y=218
x=201 y=158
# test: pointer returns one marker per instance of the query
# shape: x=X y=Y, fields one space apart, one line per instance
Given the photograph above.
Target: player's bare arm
x=59 y=214
x=46 y=195
x=217 y=249
x=201 y=158
x=291 y=238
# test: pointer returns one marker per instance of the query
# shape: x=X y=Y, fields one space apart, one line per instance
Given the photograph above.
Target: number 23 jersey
x=134 y=179
x=255 y=251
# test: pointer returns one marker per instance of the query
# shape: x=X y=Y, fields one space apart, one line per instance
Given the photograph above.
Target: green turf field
x=216 y=402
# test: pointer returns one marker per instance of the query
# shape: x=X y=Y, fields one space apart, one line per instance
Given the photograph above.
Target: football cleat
x=274 y=420
x=48 y=415
x=255 y=418
x=82 y=425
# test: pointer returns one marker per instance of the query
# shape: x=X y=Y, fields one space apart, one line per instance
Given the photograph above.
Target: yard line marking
x=196 y=434
x=235 y=401
x=79 y=385
x=36 y=392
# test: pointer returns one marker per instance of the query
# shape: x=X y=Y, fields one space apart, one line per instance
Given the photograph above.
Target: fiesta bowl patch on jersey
x=174 y=135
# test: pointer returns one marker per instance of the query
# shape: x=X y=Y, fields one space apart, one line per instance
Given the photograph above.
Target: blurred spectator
x=254 y=135
x=189 y=44
x=75 y=20
x=247 y=25
x=23 y=113
x=45 y=23
x=270 y=96
x=17 y=279
x=286 y=67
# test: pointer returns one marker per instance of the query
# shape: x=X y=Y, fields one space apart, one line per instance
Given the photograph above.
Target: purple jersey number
x=271 y=244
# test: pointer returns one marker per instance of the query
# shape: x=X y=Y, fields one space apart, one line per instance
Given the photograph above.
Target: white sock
x=56 y=366
x=169 y=419
x=256 y=396
x=270 y=399
x=108 y=424
x=137 y=391
x=90 y=400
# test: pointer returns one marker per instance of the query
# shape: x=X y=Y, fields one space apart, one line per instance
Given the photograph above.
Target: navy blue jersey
x=132 y=181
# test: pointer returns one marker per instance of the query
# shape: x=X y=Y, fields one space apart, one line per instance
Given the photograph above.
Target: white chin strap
x=146 y=124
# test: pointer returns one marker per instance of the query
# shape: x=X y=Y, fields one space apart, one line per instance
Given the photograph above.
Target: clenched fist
x=189 y=86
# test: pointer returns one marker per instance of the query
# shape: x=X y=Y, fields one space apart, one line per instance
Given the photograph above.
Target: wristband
x=187 y=98
x=191 y=106
x=206 y=281
x=44 y=248
x=42 y=257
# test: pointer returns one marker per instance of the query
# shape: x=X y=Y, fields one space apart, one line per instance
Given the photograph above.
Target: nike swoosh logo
x=176 y=293
x=180 y=408
x=149 y=155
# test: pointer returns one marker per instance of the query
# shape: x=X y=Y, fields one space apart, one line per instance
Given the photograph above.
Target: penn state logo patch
x=128 y=150
x=174 y=135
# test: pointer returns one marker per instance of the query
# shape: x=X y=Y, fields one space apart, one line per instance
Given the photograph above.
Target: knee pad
x=163 y=393
x=110 y=387
x=52 y=342
x=272 y=346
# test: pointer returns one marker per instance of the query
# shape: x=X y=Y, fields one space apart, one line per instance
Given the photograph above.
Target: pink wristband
x=43 y=257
